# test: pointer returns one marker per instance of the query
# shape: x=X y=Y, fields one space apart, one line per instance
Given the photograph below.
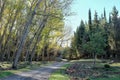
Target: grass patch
x=86 y=60
x=113 y=77
x=116 y=64
x=111 y=73
x=5 y=74
x=60 y=74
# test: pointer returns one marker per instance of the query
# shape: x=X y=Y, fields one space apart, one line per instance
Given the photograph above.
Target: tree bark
x=2 y=8
x=6 y=46
x=95 y=57
x=25 y=33
x=38 y=38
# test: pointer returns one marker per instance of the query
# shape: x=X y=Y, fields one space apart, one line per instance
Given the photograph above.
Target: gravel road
x=42 y=73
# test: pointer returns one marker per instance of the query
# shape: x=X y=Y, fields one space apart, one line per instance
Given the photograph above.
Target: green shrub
x=106 y=66
x=88 y=79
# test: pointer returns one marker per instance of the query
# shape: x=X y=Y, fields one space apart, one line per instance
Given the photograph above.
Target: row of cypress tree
x=98 y=37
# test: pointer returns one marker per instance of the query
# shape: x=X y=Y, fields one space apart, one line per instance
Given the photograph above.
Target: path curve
x=42 y=73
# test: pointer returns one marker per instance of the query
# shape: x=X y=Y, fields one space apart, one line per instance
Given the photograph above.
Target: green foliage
x=31 y=27
x=101 y=37
x=97 y=38
x=90 y=20
x=81 y=33
x=107 y=66
x=78 y=39
x=66 y=53
x=114 y=37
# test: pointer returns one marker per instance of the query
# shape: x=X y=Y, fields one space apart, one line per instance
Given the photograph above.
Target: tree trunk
x=43 y=54
x=6 y=46
x=48 y=56
x=3 y=35
x=38 y=38
x=2 y=8
x=95 y=57
x=25 y=33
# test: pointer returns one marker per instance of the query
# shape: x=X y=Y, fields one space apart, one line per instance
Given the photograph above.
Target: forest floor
x=72 y=70
x=42 y=73
x=84 y=70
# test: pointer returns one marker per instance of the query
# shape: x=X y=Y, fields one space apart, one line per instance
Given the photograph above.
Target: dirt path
x=40 y=74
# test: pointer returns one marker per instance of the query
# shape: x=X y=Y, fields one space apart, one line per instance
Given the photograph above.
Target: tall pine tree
x=114 y=26
x=79 y=37
x=105 y=18
x=89 y=20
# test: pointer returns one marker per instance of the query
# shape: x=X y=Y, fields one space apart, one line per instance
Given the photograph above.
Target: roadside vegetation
x=84 y=70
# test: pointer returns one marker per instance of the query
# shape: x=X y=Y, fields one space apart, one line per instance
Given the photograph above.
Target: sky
x=80 y=9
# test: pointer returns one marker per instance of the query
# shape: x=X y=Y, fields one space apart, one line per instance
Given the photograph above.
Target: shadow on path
x=39 y=74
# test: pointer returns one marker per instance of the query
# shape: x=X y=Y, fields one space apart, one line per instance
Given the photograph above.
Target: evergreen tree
x=97 y=44
x=110 y=19
x=105 y=15
x=89 y=20
x=95 y=22
x=100 y=35
x=79 y=37
x=114 y=26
